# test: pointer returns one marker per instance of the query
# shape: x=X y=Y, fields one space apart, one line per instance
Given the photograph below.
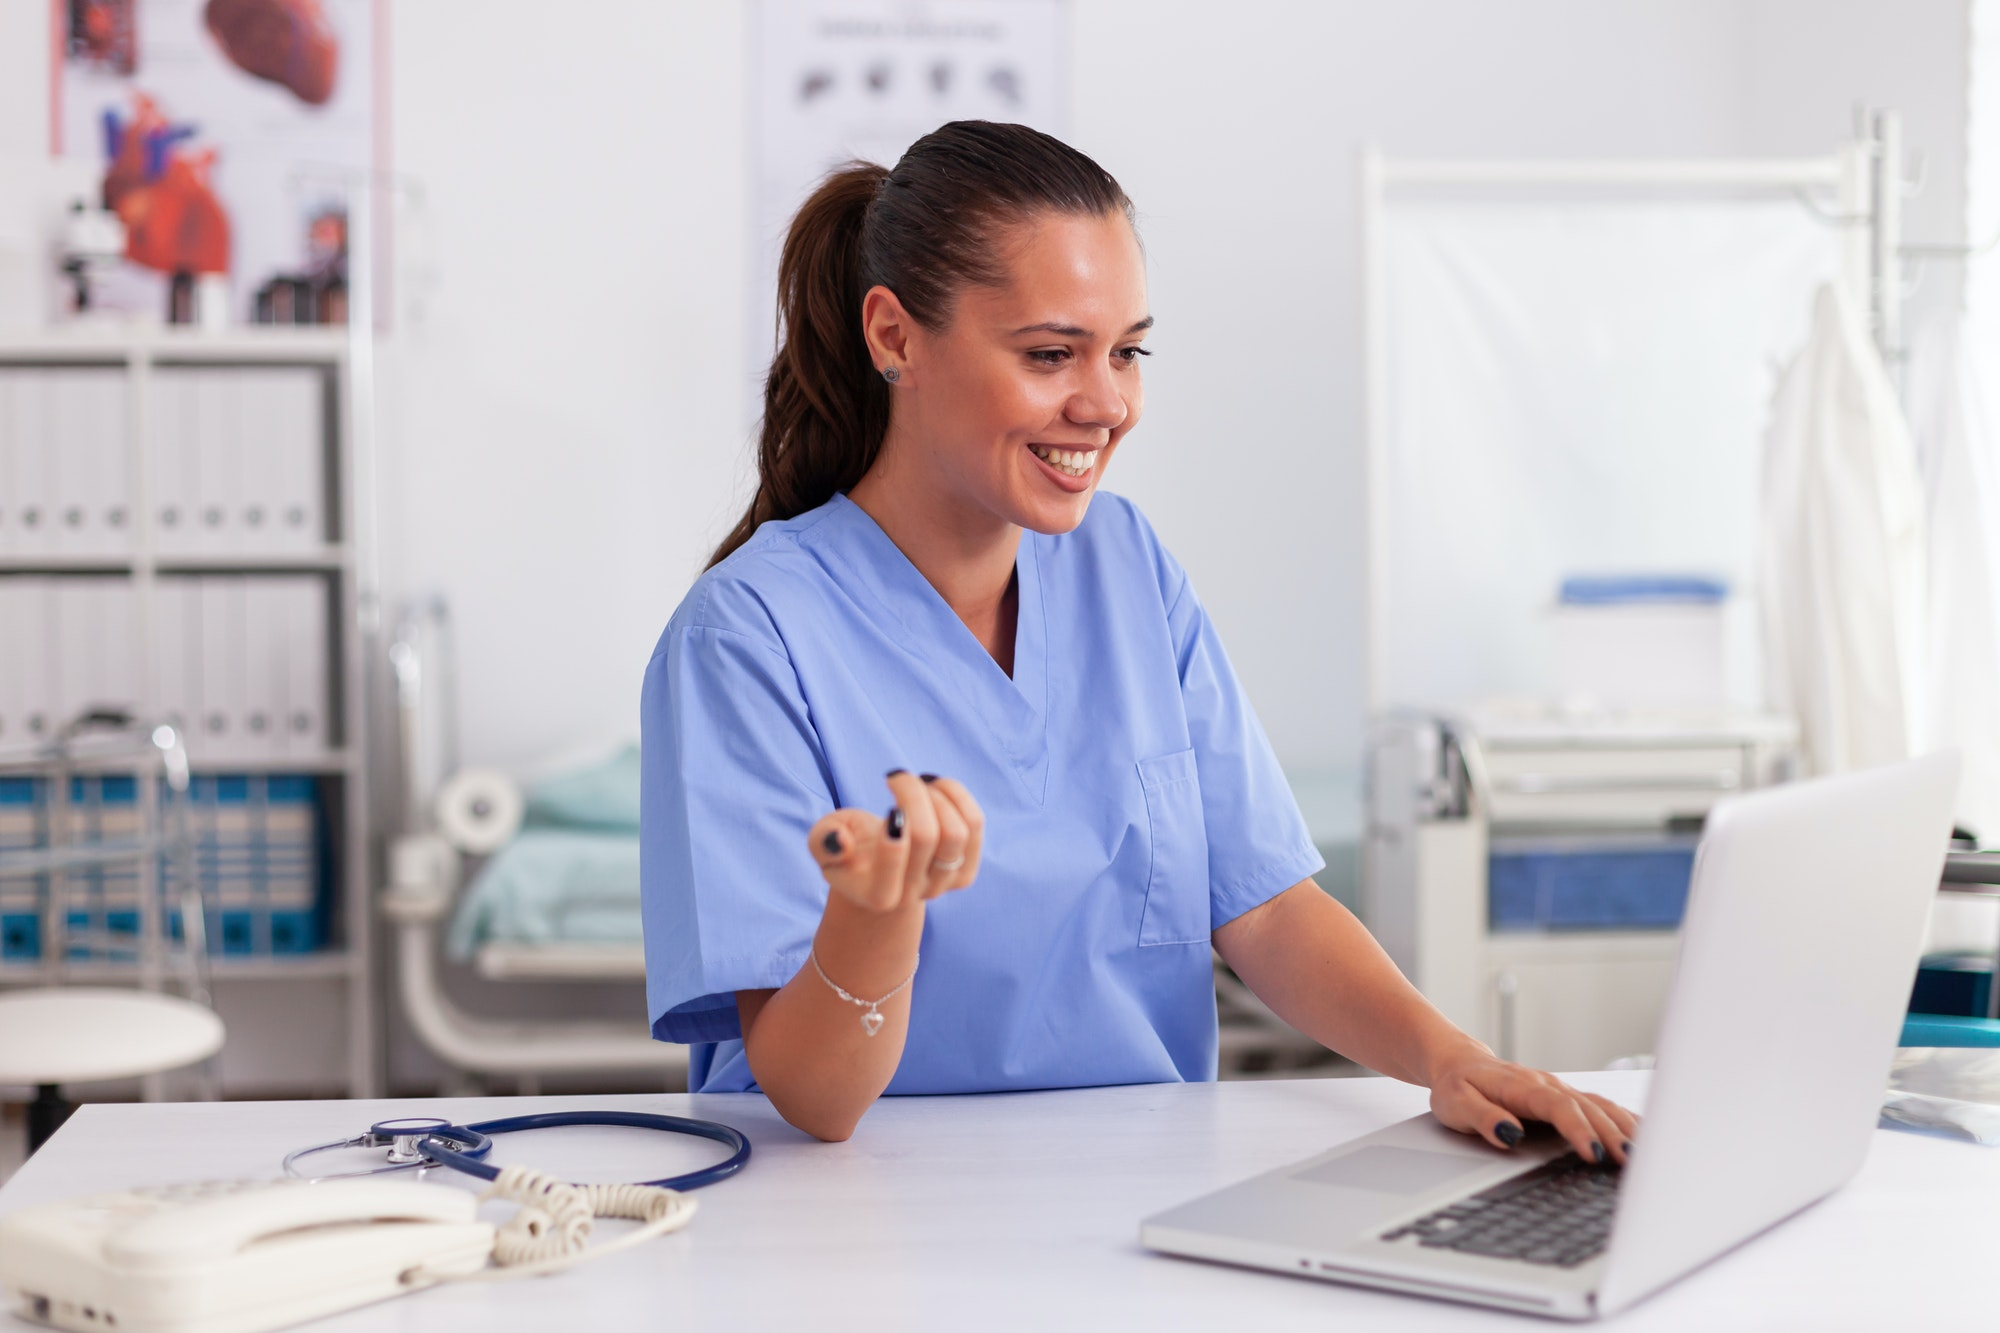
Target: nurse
x=1079 y=801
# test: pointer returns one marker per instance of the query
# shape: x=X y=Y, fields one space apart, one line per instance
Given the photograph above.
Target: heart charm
x=871 y=1022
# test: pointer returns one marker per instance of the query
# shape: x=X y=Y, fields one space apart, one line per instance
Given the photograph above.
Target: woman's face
x=1016 y=405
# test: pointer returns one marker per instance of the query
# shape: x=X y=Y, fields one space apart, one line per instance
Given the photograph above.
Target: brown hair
x=924 y=230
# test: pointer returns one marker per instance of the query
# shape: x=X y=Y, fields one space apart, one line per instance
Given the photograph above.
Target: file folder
x=84 y=428
x=32 y=659
x=176 y=693
x=10 y=449
x=96 y=638
x=306 y=687
x=33 y=463
x=221 y=735
x=15 y=633
x=21 y=811
x=173 y=463
x=296 y=407
x=218 y=438
x=266 y=618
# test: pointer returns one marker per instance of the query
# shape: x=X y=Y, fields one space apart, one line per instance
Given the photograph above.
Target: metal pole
x=1886 y=229
x=1375 y=429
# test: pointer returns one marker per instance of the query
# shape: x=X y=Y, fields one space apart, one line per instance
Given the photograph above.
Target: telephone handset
x=238 y=1257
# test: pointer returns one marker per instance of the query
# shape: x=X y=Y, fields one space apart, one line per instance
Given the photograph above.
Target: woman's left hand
x=1475 y=1092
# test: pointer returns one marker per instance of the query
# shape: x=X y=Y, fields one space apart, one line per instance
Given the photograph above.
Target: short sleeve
x=1258 y=844
x=731 y=780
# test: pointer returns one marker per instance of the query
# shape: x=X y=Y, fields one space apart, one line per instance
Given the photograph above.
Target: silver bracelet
x=871 y=1021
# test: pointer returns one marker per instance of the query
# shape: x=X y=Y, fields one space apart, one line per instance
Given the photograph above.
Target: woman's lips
x=1072 y=469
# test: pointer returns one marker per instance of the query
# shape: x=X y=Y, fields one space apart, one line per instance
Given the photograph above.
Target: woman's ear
x=886 y=327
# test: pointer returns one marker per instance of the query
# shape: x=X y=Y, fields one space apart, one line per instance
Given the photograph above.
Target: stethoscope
x=422 y=1142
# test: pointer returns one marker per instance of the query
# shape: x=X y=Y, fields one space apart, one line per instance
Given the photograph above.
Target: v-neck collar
x=1013 y=708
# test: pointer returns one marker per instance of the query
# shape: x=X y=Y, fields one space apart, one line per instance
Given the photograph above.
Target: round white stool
x=79 y=1034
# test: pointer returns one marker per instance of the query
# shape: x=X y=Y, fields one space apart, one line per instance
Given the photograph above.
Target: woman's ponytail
x=825 y=409
x=924 y=231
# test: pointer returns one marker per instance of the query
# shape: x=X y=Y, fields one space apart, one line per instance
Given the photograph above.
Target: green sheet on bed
x=570 y=875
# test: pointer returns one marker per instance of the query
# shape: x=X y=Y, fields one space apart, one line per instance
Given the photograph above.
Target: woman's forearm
x=807 y=1047
x=1321 y=971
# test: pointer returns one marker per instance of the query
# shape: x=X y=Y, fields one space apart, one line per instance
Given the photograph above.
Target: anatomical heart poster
x=224 y=135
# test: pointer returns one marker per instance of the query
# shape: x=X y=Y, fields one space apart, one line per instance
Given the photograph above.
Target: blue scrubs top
x=1132 y=801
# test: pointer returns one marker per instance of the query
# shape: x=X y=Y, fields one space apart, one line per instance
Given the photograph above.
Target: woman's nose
x=1098 y=402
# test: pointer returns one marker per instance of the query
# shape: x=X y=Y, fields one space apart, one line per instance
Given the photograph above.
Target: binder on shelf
x=293 y=900
x=173 y=463
x=95 y=645
x=10 y=488
x=16 y=636
x=218 y=432
x=27 y=660
x=175 y=696
x=294 y=457
x=85 y=430
x=302 y=633
x=34 y=462
x=21 y=813
x=258 y=421
x=220 y=734
x=265 y=671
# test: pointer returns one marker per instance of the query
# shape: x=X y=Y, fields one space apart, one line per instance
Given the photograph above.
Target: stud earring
x=891 y=374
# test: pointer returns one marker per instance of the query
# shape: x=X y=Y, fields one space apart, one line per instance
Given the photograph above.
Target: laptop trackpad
x=1393 y=1170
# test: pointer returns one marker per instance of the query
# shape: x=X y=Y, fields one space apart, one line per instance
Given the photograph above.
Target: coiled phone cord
x=552 y=1229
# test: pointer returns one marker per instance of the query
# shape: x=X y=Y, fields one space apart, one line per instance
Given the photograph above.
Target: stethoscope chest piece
x=407 y=1142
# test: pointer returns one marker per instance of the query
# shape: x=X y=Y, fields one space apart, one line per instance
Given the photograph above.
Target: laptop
x=1804 y=922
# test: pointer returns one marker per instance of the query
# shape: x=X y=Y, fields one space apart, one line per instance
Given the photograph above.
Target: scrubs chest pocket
x=1176 y=910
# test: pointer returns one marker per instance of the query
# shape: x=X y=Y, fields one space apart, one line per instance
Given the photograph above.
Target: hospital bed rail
x=425 y=872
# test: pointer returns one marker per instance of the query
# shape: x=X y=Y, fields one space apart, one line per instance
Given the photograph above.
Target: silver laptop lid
x=1803 y=927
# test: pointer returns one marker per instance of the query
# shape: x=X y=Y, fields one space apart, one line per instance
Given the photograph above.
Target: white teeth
x=1069 y=462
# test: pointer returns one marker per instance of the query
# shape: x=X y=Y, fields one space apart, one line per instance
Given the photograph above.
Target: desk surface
x=1022 y=1211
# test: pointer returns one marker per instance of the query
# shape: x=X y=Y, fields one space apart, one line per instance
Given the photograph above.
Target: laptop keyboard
x=1557 y=1214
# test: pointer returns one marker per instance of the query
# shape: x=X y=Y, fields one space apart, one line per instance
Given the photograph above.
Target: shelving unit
x=346 y=964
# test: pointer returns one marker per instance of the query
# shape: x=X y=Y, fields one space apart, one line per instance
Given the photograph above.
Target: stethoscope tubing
x=461 y=1147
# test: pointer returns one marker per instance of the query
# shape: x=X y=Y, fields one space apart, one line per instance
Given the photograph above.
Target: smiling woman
x=930 y=583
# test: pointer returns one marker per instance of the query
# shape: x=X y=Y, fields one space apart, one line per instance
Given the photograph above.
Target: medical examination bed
x=552 y=897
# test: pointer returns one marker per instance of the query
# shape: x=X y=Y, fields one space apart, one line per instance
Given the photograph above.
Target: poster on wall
x=223 y=134
x=843 y=79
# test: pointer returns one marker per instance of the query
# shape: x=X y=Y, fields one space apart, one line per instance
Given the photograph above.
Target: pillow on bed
x=603 y=796
x=552 y=885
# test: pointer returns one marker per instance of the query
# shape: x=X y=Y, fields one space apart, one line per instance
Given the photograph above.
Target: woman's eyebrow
x=1072 y=331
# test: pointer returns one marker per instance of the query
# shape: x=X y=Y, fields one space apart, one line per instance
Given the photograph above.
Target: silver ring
x=952 y=864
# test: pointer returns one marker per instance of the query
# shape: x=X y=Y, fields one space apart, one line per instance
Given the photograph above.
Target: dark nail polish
x=1597 y=1151
x=1626 y=1148
x=897 y=772
x=895 y=821
x=928 y=777
x=831 y=841
x=1507 y=1132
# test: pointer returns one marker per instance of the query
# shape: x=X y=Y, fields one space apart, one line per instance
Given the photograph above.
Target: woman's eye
x=1049 y=356
x=1130 y=355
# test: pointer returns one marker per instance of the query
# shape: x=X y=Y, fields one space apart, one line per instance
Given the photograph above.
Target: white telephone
x=238 y=1257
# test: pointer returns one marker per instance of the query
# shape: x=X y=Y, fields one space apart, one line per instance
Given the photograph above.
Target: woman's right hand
x=927 y=844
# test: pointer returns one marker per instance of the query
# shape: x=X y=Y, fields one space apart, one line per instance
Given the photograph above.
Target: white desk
x=1023 y=1212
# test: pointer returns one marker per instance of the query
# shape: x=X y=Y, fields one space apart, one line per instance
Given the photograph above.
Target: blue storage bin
x=1588 y=883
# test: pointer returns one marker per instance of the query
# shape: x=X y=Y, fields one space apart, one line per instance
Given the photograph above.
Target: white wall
x=1235 y=129
x=563 y=420
x=562 y=414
